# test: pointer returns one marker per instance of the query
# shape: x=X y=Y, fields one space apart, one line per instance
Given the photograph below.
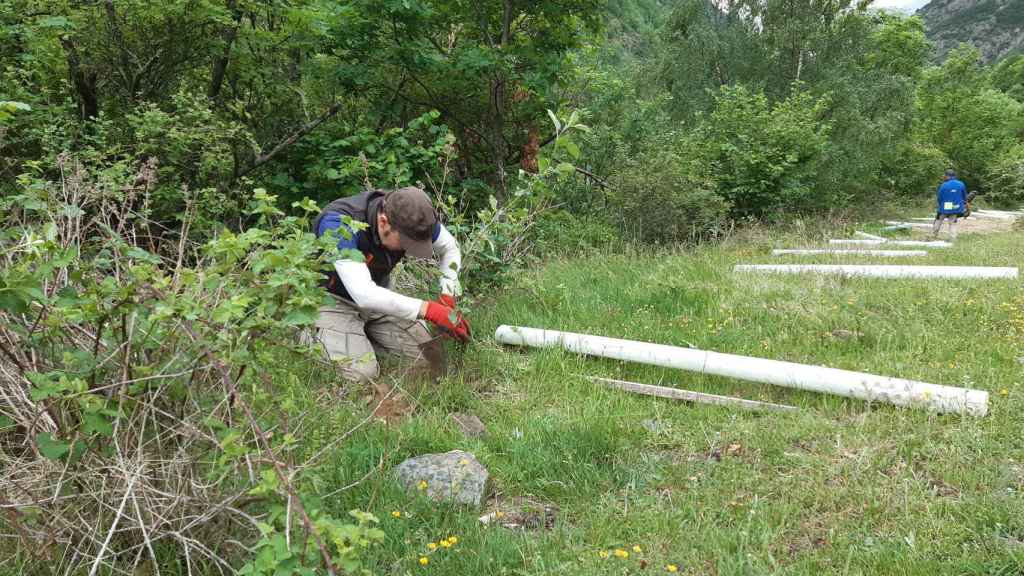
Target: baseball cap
x=410 y=212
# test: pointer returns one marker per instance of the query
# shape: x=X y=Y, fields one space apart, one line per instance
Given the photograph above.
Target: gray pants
x=953 y=219
x=353 y=338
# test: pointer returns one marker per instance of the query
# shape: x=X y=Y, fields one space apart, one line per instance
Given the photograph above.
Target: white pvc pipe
x=881 y=253
x=896 y=227
x=790 y=375
x=994 y=215
x=908 y=224
x=919 y=243
x=868 y=236
x=879 y=271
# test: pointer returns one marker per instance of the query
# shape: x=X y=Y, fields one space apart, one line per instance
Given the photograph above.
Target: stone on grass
x=469 y=425
x=454 y=476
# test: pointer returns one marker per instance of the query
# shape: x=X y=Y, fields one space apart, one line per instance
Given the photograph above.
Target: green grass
x=841 y=487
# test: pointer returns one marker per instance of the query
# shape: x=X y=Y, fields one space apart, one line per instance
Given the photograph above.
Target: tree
x=965 y=117
x=491 y=68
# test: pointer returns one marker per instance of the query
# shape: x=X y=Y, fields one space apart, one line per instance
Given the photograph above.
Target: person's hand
x=448 y=319
x=448 y=300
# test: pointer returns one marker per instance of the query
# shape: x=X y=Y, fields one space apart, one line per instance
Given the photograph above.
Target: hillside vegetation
x=996 y=27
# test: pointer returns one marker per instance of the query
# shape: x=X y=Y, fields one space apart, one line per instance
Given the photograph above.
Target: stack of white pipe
x=814 y=378
x=908 y=224
x=995 y=214
x=917 y=243
x=880 y=253
x=868 y=236
x=880 y=271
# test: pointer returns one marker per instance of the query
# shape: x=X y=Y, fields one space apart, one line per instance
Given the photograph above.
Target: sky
x=904 y=5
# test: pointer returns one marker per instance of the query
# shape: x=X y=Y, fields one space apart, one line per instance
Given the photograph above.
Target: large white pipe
x=868 y=236
x=896 y=227
x=886 y=271
x=908 y=224
x=994 y=215
x=919 y=243
x=790 y=375
x=881 y=253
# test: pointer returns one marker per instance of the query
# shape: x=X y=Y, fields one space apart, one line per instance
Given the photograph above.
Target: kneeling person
x=367 y=316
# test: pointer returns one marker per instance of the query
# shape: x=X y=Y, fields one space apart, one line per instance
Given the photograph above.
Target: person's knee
x=362 y=371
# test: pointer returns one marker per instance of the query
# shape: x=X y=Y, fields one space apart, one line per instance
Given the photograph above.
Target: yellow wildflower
x=620 y=553
x=603 y=554
x=422 y=485
x=671 y=568
x=453 y=540
x=637 y=549
x=431 y=546
x=396 y=514
x=1004 y=392
x=499 y=514
x=424 y=560
x=445 y=543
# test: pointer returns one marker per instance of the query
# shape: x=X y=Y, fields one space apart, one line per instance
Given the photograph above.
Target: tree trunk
x=85 y=82
x=498 y=134
x=498 y=144
x=220 y=63
x=530 y=151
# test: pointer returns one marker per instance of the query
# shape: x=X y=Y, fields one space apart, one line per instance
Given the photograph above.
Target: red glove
x=448 y=300
x=448 y=320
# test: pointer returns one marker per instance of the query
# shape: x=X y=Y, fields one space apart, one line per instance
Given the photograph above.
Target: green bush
x=560 y=232
x=915 y=171
x=1006 y=179
x=761 y=158
x=165 y=378
x=657 y=198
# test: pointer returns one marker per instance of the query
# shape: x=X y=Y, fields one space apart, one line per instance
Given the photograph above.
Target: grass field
x=841 y=487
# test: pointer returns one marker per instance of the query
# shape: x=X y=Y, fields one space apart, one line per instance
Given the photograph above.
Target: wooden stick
x=699 y=397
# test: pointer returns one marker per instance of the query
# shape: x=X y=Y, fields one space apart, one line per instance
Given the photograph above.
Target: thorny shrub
x=145 y=391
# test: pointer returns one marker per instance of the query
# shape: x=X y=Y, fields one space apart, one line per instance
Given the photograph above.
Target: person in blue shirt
x=952 y=203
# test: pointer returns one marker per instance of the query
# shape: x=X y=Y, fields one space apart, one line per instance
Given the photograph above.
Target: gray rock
x=469 y=425
x=454 y=476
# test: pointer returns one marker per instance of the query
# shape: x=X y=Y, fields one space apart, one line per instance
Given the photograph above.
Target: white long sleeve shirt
x=367 y=295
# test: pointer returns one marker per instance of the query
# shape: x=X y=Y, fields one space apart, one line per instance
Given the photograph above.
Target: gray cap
x=410 y=211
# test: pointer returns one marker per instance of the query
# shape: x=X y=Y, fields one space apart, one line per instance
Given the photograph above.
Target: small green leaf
x=571 y=148
x=96 y=423
x=50 y=447
x=554 y=120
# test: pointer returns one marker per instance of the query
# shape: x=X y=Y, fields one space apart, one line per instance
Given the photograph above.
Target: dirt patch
x=811 y=536
x=732 y=449
x=943 y=489
x=390 y=405
x=520 y=513
x=971 y=225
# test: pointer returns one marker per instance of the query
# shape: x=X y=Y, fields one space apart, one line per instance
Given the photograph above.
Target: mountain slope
x=996 y=27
